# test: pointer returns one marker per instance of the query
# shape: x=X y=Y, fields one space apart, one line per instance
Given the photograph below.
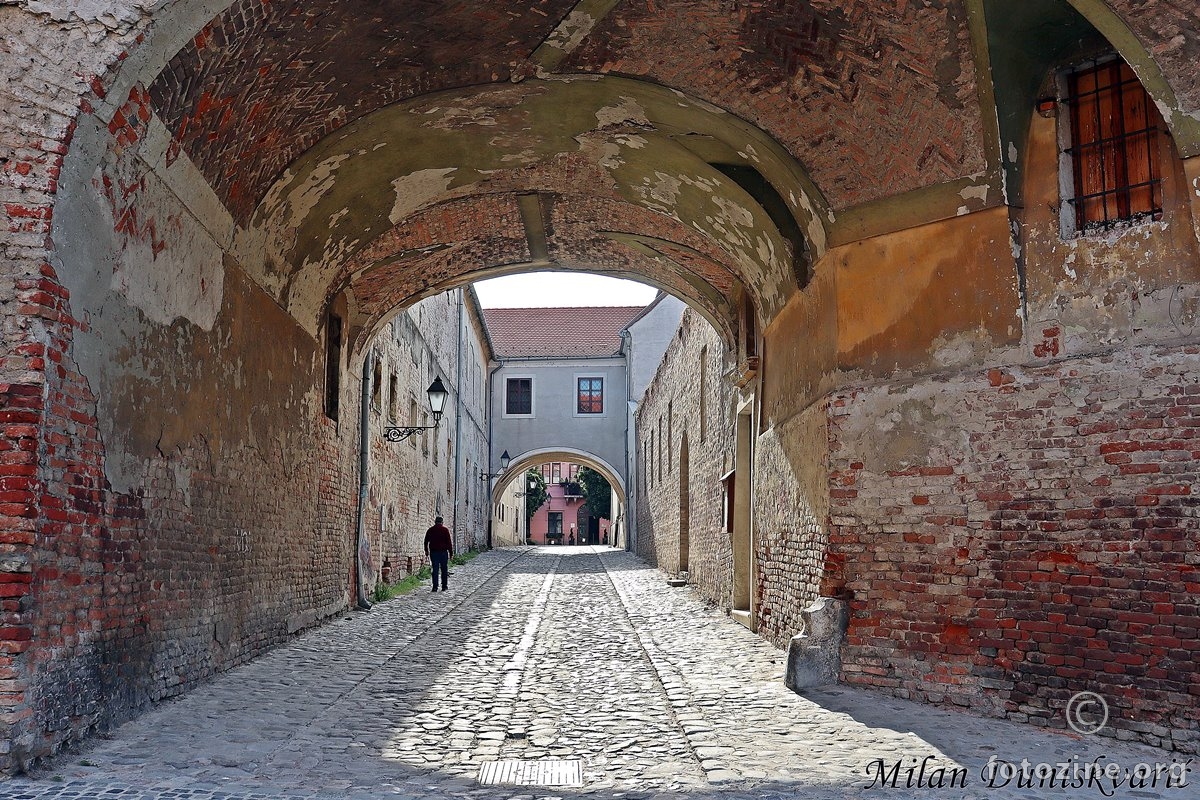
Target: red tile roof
x=550 y=332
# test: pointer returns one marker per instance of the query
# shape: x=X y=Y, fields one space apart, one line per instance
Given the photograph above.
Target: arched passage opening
x=510 y=486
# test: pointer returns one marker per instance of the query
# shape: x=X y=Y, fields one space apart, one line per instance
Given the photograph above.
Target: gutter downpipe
x=491 y=385
x=364 y=483
x=631 y=468
x=458 y=417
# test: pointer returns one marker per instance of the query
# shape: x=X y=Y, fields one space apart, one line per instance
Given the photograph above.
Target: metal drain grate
x=545 y=772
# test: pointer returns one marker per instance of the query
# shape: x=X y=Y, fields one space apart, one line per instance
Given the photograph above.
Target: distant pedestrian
x=439 y=546
x=571 y=539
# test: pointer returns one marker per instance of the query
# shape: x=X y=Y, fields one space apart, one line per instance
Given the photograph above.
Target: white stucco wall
x=648 y=338
x=555 y=422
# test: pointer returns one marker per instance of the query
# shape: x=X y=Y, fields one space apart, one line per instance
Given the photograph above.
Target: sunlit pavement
x=566 y=653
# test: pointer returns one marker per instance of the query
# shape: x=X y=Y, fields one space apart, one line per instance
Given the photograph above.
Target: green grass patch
x=385 y=592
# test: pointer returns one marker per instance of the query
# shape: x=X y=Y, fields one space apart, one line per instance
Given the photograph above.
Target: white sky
x=550 y=289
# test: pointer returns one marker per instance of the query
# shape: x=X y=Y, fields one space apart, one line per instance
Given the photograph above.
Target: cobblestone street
x=553 y=653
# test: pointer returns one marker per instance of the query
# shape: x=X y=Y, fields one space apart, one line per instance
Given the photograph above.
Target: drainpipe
x=364 y=482
x=491 y=385
x=631 y=467
x=458 y=418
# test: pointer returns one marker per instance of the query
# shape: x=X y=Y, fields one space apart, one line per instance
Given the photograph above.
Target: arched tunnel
x=946 y=382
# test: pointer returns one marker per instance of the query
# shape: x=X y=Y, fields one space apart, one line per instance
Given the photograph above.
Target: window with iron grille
x=1114 y=148
x=518 y=396
x=591 y=396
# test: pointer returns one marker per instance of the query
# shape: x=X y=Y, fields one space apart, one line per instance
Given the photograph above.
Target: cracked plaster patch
x=417 y=189
x=627 y=112
x=660 y=193
x=95 y=16
x=750 y=154
x=571 y=31
x=979 y=192
x=449 y=119
x=184 y=280
x=600 y=150
x=288 y=204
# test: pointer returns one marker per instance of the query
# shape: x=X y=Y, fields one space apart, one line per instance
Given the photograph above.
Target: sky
x=549 y=289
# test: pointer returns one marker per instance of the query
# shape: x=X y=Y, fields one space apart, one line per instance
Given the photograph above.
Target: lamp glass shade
x=505 y=460
x=437 y=397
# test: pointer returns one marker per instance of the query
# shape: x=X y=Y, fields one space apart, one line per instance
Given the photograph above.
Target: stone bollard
x=814 y=655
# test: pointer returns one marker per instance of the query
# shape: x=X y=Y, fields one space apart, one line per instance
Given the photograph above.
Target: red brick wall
x=1012 y=537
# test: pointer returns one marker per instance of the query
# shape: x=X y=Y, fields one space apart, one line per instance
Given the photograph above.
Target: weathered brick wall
x=1013 y=536
x=44 y=71
x=205 y=561
x=673 y=398
x=174 y=501
x=789 y=479
x=790 y=514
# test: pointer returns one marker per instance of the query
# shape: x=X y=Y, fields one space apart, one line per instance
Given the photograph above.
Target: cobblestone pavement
x=555 y=653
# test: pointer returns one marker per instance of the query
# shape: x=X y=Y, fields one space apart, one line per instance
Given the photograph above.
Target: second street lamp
x=505 y=460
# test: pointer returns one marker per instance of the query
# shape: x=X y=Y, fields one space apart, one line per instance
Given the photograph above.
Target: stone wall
x=1016 y=535
x=669 y=411
x=200 y=564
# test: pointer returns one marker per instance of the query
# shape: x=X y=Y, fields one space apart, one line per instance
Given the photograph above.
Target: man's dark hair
x=437 y=520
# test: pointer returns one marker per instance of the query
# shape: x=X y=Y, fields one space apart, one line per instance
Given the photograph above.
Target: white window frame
x=603 y=378
x=532 y=397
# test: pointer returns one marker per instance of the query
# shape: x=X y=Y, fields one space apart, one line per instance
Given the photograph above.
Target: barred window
x=1114 y=149
x=591 y=396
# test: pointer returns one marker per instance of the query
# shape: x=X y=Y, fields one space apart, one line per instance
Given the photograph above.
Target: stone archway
x=164 y=211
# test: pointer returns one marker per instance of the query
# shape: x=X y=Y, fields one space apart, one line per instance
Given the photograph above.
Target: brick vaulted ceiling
x=874 y=99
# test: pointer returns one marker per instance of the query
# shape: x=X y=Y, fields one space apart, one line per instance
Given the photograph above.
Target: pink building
x=565 y=517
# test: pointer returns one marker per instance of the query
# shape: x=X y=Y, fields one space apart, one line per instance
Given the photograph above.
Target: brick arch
x=631 y=174
x=457 y=242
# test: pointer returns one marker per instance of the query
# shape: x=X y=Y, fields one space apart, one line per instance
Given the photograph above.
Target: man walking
x=439 y=546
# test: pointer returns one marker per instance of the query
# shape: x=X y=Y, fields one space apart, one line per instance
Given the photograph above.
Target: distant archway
x=519 y=464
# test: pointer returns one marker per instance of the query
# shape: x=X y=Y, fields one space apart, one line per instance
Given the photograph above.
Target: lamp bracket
x=394 y=434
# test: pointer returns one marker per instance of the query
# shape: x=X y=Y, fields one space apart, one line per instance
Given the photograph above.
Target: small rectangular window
x=333 y=365
x=670 y=435
x=518 y=396
x=591 y=396
x=1114 y=150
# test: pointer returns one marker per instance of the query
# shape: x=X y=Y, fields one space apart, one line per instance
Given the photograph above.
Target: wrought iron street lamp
x=505 y=460
x=437 y=404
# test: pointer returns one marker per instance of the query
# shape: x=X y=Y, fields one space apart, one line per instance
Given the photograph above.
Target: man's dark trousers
x=441 y=561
